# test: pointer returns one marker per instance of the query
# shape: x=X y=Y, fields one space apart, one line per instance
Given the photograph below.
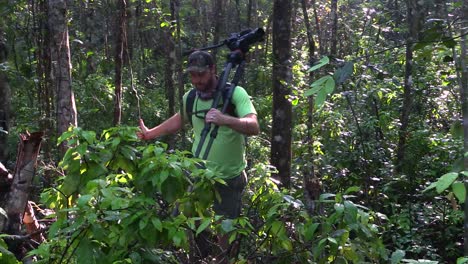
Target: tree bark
x=311 y=183
x=282 y=108
x=413 y=24
x=119 y=53
x=219 y=21
x=464 y=103
x=5 y=106
x=334 y=28
x=17 y=200
x=61 y=68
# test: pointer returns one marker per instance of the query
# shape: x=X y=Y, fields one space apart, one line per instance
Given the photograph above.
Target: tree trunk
x=334 y=27
x=169 y=69
x=317 y=28
x=282 y=109
x=218 y=14
x=180 y=71
x=61 y=67
x=311 y=183
x=412 y=21
x=119 y=53
x=46 y=94
x=17 y=200
x=464 y=103
x=5 y=106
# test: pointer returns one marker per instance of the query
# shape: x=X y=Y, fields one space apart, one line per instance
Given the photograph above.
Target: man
x=227 y=153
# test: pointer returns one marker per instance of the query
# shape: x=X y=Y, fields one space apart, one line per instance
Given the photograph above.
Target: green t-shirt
x=227 y=153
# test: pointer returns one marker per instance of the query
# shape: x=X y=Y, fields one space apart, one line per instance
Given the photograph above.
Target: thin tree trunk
x=61 y=67
x=180 y=79
x=413 y=24
x=5 y=106
x=119 y=54
x=170 y=68
x=46 y=93
x=317 y=28
x=311 y=183
x=249 y=13
x=282 y=108
x=464 y=98
x=218 y=12
x=334 y=28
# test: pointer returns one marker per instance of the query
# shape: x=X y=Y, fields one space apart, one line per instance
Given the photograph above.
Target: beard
x=207 y=91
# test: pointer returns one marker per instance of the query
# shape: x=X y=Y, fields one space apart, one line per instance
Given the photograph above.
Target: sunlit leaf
x=445 y=181
x=322 y=62
x=459 y=190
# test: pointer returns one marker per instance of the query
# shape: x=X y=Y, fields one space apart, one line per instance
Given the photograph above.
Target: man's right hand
x=142 y=134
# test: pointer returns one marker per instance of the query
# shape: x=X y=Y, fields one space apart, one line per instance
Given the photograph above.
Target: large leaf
x=445 y=181
x=322 y=62
x=344 y=72
x=459 y=190
x=397 y=256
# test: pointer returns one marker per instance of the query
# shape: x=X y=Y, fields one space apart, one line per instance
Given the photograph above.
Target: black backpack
x=191 y=98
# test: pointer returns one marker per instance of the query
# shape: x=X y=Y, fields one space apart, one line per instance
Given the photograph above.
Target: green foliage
x=6 y=256
x=281 y=231
x=116 y=200
x=119 y=201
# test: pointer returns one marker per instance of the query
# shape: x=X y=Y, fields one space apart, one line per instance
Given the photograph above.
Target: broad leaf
x=445 y=181
x=459 y=190
x=397 y=256
x=344 y=72
x=206 y=222
x=322 y=62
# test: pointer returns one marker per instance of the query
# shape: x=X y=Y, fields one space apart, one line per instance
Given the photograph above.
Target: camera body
x=243 y=40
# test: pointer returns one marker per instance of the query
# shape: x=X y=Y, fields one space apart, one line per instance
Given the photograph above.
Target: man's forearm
x=247 y=125
x=170 y=126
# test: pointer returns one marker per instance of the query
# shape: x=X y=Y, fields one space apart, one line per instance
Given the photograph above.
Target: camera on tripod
x=244 y=39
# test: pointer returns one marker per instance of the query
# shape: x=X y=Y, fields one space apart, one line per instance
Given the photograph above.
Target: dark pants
x=231 y=196
x=230 y=206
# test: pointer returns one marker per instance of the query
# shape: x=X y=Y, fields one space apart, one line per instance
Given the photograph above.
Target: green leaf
x=397 y=256
x=227 y=225
x=178 y=238
x=312 y=91
x=157 y=223
x=206 y=222
x=445 y=181
x=320 y=99
x=462 y=260
x=65 y=135
x=344 y=72
x=352 y=189
x=459 y=190
x=322 y=62
x=90 y=136
x=456 y=129
x=430 y=187
x=310 y=231
x=143 y=223
x=329 y=85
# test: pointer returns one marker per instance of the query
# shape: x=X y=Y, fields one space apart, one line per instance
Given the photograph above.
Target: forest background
x=360 y=158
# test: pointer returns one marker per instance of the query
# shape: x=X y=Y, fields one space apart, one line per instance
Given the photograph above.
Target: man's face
x=203 y=81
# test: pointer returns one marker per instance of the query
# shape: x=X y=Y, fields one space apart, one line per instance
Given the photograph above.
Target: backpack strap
x=191 y=98
x=189 y=104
